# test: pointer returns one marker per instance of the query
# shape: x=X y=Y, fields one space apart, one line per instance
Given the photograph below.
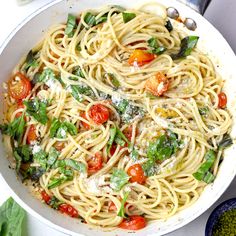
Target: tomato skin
x=113 y=149
x=95 y=163
x=85 y=125
x=19 y=89
x=45 y=196
x=137 y=174
x=222 y=100
x=99 y=114
x=140 y=57
x=59 y=145
x=157 y=85
x=32 y=136
x=134 y=222
x=69 y=210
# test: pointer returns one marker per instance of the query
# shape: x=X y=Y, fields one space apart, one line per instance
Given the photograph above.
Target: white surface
x=10 y=21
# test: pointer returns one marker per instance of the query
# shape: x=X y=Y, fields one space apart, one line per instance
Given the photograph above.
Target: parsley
x=59 y=129
x=154 y=47
x=121 y=212
x=71 y=25
x=118 y=179
x=31 y=60
x=37 y=109
x=128 y=16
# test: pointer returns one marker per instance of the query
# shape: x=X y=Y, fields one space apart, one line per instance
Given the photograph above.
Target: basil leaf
x=111 y=139
x=118 y=179
x=209 y=178
x=41 y=158
x=155 y=48
x=78 y=71
x=90 y=19
x=71 y=128
x=226 y=141
x=169 y=26
x=78 y=47
x=119 y=141
x=58 y=181
x=122 y=105
x=78 y=166
x=186 y=47
x=203 y=111
x=34 y=173
x=24 y=152
x=37 y=109
x=121 y=212
x=134 y=154
x=46 y=75
x=54 y=127
x=18 y=160
x=70 y=25
x=128 y=16
x=31 y=60
x=52 y=157
x=78 y=90
x=102 y=19
x=149 y=168
x=114 y=80
x=11 y=218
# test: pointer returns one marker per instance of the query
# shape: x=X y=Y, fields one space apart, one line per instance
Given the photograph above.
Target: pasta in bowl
x=117 y=118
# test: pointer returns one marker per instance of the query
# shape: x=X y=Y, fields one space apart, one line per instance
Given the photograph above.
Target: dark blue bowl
x=218 y=211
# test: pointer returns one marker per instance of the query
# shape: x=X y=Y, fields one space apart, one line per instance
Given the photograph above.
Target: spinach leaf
x=59 y=129
x=169 y=26
x=37 y=109
x=15 y=129
x=11 y=218
x=121 y=212
x=70 y=25
x=78 y=166
x=31 y=60
x=154 y=47
x=118 y=179
x=186 y=47
x=202 y=172
x=203 y=111
x=226 y=141
x=128 y=16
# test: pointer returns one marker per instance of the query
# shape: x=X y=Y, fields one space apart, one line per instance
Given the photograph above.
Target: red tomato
x=19 y=86
x=136 y=173
x=86 y=125
x=157 y=85
x=133 y=223
x=69 y=210
x=45 y=196
x=222 y=100
x=19 y=105
x=95 y=163
x=99 y=113
x=32 y=136
x=140 y=57
x=128 y=132
x=113 y=149
x=59 y=145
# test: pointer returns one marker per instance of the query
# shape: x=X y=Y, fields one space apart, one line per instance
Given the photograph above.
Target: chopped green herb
x=118 y=179
x=186 y=47
x=134 y=154
x=226 y=141
x=154 y=47
x=37 y=109
x=90 y=19
x=78 y=47
x=46 y=75
x=127 y=16
x=121 y=212
x=55 y=182
x=169 y=26
x=78 y=166
x=203 y=111
x=11 y=218
x=149 y=168
x=114 y=80
x=78 y=71
x=18 y=160
x=34 y=173
x=52 y=157
x=70 y=25
x=41 y=158
x=102 y=19
x=54 y=202
x=31 y=60
x=24 y=152
x=78 y=90
x=111 y=139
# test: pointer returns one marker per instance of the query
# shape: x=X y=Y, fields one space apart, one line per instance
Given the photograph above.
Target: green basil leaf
x=119 y=141
x=209 y=178
x=78 y=166
x=121 y=212
x=149 y=168
x=90 y=19
x=111 y=139
x=114 y=80
x=71 y=128
x=41 y=158
x=203 y=111
x=128 y=16
x=31 y=60
x=134 y=154
x=54 y=127
x=118 y=179
x=102 y=19
x=54 y=202
x=169 y=26
x=70 y=25
x=46 y=75
x=57 y=182
x=34 y=173
x=18 y=160
x=52 y=157
x=226 y=141
x=186 y=47
x=11 y=218
x=155 y=48
x=78 y=71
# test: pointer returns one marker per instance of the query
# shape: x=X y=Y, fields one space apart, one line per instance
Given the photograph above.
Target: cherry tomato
x=133 y=223
x=86 y=125
x=32 y=136
x=45 y=196
x=222 y=100
x=99 y=113
x=19 y=105
x=157 y=85
x=59 y=145
x=95 y=163
x=113 y=149
x=140 y=57
x=19 y=86
x=128 y=132
x=69 y=210
x=136 y=173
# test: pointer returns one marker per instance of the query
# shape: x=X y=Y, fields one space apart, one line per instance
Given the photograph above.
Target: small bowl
x=217 y=212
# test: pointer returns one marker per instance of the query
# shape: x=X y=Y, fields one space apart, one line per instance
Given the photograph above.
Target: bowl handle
x=198 y=5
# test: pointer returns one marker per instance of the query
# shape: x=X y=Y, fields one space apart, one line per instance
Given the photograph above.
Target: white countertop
x=11 y=15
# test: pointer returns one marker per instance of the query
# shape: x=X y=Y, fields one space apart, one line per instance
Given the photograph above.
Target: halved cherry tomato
x=45 y=196
x=19 y=105
x=59 y=145
x=112 y=206
x=99 y=113
x=69 y=210
x=136 y=173
x=222 y=100
x=133 y=223
x=157 y=85
x=19 y=86
x=86 y=125
x=95 y=163
x=32 y=136
x=113 y=149
x=140 y=57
